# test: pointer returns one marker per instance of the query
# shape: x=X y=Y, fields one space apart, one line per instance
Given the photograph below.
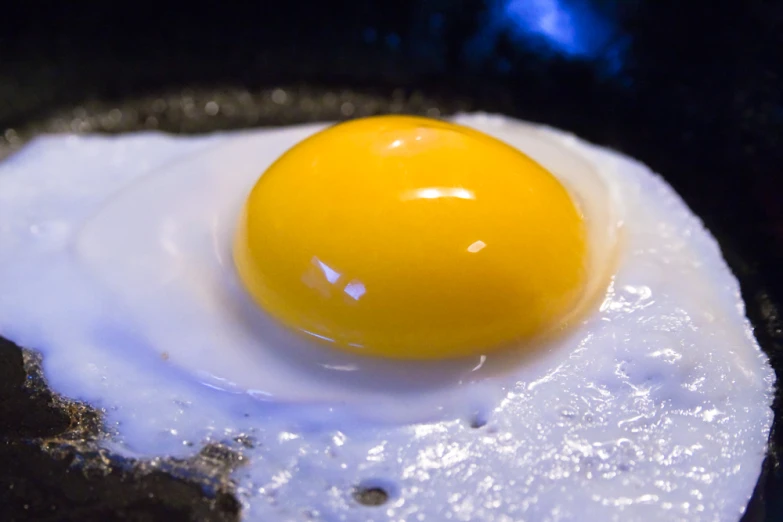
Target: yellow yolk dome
x=411 y=238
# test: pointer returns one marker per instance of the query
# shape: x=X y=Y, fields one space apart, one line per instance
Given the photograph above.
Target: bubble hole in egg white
x=655 y=406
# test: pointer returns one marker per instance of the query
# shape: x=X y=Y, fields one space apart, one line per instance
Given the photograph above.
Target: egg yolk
x=411 y=238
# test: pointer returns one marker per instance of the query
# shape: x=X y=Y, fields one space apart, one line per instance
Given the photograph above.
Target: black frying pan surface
x=692 y=90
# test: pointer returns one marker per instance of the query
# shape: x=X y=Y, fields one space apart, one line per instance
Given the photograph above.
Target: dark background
x=692 y=88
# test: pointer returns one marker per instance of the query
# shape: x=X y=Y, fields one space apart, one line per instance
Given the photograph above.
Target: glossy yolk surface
x=411 y=238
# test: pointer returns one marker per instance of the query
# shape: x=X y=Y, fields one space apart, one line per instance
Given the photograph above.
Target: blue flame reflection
x=571 y=29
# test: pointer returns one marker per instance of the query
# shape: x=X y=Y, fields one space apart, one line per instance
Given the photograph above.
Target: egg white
x=114 y=263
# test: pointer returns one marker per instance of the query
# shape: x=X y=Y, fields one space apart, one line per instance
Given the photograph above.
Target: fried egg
x=488 y=319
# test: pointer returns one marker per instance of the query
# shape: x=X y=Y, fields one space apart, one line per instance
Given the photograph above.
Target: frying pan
x=690 y=88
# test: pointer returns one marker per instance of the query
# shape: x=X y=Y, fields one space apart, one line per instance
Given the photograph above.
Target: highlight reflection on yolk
x=406 y=237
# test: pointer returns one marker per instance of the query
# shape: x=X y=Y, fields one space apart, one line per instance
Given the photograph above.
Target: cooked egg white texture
x=411 y=238
x=646 y=396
